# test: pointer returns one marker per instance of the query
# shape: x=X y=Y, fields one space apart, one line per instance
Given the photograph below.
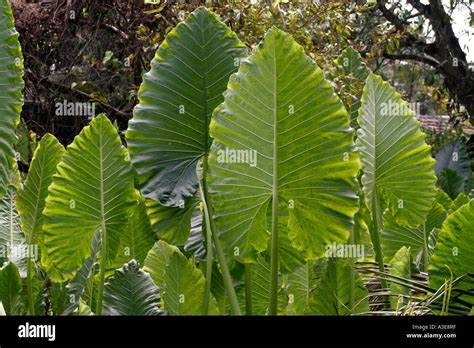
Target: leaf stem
x=352 y=282
x=103 y=252
x=228 y=282
x=248 y=289
x=209 y=252
x=375 y=236
x=29 y=283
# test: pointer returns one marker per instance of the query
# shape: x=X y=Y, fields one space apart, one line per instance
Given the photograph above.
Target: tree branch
x=409 y=56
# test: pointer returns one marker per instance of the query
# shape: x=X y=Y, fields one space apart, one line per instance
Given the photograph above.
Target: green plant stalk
x=29 y=283
x=375 y=236
x=248 y=289
x=352 y=282
x=209 y=254
x=228 y=282
x=103 y=251
x=425 y=249
x=273 y=307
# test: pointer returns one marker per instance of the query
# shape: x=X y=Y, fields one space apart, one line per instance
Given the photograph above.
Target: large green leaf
x=395 y=158
x=10 y=290
x=332 y=295
x=92 y=188
x=454 y=250
x=11 y=99
x=169 y=131
x=31 y=199
x=131 y=291
x=279 y=108
x=182 y=284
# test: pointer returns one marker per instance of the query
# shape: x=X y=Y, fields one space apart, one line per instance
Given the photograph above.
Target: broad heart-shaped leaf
x=332 y=294
x=31 y=199
x=454 y=156
x=350 y=73
x=11 y=85
x=10 y=289
x=92 y=188
x=131 y=291
x=454 y=250
x=169 y=132
x=395 y=158
x=182 y=284
x=281 y=134
x=395 y=236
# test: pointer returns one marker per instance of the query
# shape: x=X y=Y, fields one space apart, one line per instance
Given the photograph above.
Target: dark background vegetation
x=97 y=50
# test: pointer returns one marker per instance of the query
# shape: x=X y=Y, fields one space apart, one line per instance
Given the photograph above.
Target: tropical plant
x=237 y=189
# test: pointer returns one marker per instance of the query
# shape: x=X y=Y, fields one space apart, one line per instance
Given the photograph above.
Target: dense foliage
x=244 y=184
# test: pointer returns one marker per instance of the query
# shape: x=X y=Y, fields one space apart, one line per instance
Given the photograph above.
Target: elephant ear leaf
x=397 y=165
x=10 y=290
x=11 y=68
x=281 y=135
x=31 y=200
x=454 y=250
x=131 y=291
x=169 y=132
x=92 y=189
x=182 y=283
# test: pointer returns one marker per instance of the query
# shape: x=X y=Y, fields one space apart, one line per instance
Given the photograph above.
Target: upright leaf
x=169 y=131
x=131 y=291
x=295 y=146
x=10 y=289
x=11 y=73
x=92 y=188
x=182 y=284
x=396 y=161
x=454 y=250
x=31 y=199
